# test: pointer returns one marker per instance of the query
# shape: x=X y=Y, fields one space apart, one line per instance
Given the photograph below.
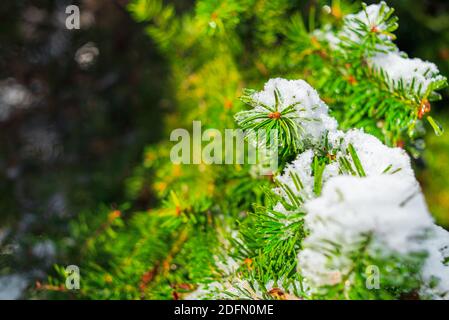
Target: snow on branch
x=375 y=20
x=292 y=107
x=390 y=211
x=413 y=77
x=361 y=200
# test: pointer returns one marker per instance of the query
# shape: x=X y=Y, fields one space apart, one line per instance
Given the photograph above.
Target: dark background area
x=77 y=108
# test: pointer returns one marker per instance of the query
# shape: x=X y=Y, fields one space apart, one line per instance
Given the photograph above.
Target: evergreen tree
x=342 y=217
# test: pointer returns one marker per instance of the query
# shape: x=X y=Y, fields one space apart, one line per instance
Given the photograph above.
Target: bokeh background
x=78 y=107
